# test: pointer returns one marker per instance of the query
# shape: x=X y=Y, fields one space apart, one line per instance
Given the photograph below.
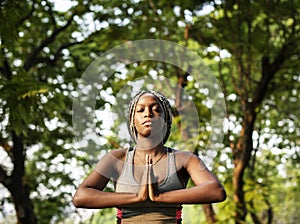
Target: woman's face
x=149 y=118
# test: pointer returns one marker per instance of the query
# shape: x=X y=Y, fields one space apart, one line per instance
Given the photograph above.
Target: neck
x=157 y=153
x=150 y=147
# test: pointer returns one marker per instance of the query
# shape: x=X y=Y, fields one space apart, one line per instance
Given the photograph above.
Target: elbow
x=221 y=194
x=78 y=199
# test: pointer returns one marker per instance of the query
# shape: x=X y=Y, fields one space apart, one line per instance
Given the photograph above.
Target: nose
x=148 y=112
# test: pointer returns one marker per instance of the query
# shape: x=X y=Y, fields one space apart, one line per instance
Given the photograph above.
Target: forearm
x=201 y=194
x=93 y=198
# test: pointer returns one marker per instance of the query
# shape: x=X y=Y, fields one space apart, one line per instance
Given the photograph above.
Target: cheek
x=161 y=123
x=136 y=120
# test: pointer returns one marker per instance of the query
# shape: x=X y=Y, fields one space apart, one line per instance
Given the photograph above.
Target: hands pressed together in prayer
x=148 y=188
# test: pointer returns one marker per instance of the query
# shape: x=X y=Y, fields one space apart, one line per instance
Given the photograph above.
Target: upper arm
x=95 y=180
x=198 y=171
x=107 y=168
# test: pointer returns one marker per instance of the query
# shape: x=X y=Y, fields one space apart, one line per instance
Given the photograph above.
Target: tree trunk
x=242 y=150
x=23 y=205
x=242 y=155
x=16 y=186
x=209 y=213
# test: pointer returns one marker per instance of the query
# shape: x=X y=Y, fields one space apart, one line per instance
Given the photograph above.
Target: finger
x=151 y=177
x=150 y=160
x=146 y=171
x=152 y=184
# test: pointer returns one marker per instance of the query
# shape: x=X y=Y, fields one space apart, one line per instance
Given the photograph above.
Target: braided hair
x=163 y=101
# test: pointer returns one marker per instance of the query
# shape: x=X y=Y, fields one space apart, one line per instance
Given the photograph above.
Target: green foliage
x=103 y=216
x=45 y=51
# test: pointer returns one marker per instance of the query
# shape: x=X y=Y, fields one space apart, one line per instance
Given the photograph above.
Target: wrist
x=141 y=198
x=156 y=198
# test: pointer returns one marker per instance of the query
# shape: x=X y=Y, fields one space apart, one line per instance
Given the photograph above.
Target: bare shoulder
x=189 y=161
x=119 y=154
x=183 y=158
x=112 y=163
x=184 y=154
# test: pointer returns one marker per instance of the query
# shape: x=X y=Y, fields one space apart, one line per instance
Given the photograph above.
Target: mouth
x=147 y=123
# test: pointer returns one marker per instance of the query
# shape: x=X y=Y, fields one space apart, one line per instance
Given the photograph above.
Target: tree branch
x=57 y=54
x=51 y=14
x=5 y=69
x=269 y=69
x=29 y=14
x=31 y=58
x=4 y=179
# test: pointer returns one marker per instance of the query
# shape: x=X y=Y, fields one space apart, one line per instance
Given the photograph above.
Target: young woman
x=149 y=178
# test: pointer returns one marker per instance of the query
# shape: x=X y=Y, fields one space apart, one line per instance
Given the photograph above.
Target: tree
x=261 y=38
x=38 y=72
x=44 y=51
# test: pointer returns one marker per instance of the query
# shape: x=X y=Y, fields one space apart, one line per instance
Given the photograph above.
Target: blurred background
x=253 y=49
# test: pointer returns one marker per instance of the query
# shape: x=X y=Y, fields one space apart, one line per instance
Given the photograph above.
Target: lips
x=147 y=123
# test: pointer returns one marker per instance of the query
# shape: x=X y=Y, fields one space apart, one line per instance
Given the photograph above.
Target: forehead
x=148 y=98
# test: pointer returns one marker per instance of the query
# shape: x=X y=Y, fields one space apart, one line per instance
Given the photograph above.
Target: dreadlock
x=164 y=104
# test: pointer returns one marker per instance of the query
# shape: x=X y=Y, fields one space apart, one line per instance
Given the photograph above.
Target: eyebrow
x=156 y=103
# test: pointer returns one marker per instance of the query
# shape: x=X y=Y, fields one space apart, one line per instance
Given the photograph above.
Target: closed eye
x=156 y=109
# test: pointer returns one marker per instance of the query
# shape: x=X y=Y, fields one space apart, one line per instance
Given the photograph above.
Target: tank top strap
x=126 y=182
x=171 y=161
x=129 y=156
x=127 y=172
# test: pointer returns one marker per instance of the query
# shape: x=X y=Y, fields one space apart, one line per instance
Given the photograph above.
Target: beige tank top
x=149 y=212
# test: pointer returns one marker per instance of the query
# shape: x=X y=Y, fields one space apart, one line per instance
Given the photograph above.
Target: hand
x=148 y=188
x=152 y=182
x=143 y=194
